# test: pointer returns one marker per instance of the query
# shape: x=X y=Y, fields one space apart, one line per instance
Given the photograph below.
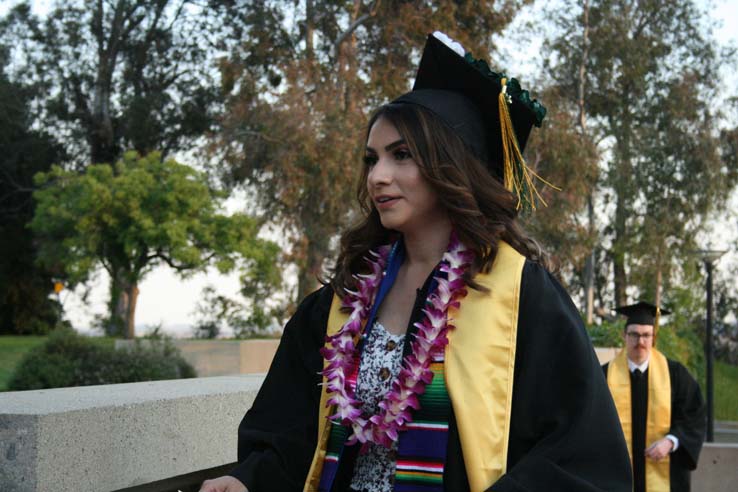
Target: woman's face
x=405 y=201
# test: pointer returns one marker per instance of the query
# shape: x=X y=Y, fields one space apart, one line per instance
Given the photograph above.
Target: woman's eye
x=370 y=160
x=402 y=154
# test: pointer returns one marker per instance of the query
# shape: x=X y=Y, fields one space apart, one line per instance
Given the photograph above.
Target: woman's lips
x=385 y=202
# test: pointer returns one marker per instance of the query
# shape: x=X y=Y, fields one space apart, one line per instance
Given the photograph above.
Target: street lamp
x=709 y=257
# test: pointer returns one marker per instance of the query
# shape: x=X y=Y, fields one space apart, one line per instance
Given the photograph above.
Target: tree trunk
x=589 y=266
x=100 y=134
x=114 y=323
x=589 y=275
x=123 y=297
x=125 y=309
x=624 y=196
x=309 y=29
x=659 y=279
x=618 y=256
x=131 y=297
x=308 y=277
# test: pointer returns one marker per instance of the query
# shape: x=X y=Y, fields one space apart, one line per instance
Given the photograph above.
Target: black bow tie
x=637 y=373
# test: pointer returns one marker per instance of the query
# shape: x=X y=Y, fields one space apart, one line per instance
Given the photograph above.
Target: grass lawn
x=14 y=348
x=726 y=391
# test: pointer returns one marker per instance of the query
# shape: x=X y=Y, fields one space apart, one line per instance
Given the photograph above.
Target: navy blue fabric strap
x=394 y=262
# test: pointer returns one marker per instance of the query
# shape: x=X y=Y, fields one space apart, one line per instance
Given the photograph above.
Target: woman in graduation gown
x=442 y=355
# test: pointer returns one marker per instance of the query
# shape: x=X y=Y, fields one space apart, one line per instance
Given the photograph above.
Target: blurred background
x=183 y=168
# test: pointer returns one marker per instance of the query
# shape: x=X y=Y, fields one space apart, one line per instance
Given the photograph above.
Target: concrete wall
x=101 y=438
x=606 y=354
x=718 y=469
x=228 y=357
x=223 y=357
x=163 y=436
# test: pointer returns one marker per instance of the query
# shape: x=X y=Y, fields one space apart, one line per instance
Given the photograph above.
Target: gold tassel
x=519 y=183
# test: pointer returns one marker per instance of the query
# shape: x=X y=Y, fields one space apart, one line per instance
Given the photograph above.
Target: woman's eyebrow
x=395 y=144
x=389 y=147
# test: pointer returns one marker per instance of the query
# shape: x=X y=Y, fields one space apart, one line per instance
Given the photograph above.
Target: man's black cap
x=640 y=313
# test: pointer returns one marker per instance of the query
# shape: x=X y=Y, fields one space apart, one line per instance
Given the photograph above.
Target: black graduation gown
x=687 y=425
x=564 y=435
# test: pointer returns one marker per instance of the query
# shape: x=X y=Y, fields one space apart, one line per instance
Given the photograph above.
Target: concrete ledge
x=606 y=354
x=164 y=436
x=222 y=357
x=99 y=438
x=717 y=470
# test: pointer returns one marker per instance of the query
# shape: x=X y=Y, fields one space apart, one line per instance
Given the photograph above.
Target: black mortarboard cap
x=466 y=95
x=641 y=313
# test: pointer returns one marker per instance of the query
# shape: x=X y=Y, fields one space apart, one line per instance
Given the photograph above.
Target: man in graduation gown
x=659 y=404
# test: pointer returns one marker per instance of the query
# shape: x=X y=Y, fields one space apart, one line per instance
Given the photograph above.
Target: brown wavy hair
x=482 y=211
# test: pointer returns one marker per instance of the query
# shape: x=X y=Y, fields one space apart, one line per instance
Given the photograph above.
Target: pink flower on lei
x=340 y=350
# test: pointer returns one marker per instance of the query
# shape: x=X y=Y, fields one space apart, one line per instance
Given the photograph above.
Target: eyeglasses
x=635 y=336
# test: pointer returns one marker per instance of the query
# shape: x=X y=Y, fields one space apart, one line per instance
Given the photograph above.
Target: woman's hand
x=223 y=484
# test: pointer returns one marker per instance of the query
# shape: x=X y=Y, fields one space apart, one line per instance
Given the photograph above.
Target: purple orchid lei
x=343 y=358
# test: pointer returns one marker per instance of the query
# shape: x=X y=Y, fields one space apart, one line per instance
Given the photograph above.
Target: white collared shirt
x=632 y=366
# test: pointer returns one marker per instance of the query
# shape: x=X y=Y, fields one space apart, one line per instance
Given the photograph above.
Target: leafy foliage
x=675 y=341
x=650 y=85
x=116 y=75
x=606 y=334
x=68 y=359
x=299 y=94
x=568 y=160
x=25 y=288
x=217 y=313
x=142 y=212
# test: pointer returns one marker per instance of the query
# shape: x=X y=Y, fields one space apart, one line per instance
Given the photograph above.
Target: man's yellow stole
x=479 y=364
x=658 y=418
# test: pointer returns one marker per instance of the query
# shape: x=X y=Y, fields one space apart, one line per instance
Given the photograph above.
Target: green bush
x=606 y=334
x=69 y=359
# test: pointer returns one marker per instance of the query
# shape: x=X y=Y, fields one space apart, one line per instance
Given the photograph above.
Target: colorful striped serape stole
x=338 y=435
x=337 y=439
x=421 y=452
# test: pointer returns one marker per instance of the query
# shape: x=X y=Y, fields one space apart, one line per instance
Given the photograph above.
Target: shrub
x=606 y=334
x=69 y=359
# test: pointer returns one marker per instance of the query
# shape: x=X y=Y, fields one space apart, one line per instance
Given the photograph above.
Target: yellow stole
x=480 y=359
x=658 y=418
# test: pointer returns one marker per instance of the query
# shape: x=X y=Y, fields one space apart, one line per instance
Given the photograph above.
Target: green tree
x=567 y=159
x=650 y=82
x=114 y=75
x=216 y=312
x=299 y=93
x=138 y=214
x=25 y=305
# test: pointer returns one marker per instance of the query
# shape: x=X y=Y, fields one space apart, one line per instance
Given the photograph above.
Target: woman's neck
x=425 y=248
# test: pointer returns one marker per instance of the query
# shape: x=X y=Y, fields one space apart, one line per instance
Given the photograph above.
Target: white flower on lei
x=454 y=45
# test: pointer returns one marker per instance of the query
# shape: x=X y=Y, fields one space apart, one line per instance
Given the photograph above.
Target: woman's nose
x=380 y=173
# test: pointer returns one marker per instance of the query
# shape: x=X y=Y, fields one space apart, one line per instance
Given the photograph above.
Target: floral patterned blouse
x=381 y=362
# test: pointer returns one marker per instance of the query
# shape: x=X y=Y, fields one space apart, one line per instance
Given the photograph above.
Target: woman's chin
x=389 y=223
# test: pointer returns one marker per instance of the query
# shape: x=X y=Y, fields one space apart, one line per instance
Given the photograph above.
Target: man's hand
x=660 y=449
x=223 y=484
